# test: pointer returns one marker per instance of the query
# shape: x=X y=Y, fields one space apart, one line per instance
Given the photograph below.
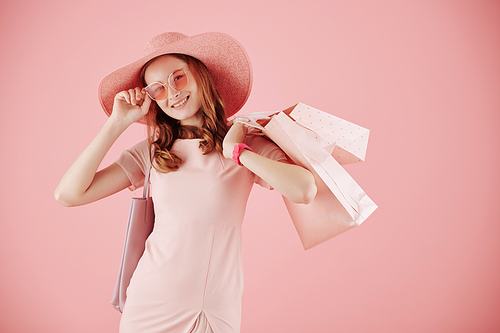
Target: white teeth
x=180 y=103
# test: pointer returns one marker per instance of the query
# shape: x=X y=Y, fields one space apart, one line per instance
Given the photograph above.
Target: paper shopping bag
x=340 y=203
x=346 y=141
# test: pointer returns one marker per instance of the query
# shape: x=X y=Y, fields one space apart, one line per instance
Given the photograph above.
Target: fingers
x=134 y=96
x=237 y=132
x=131 y=105
x=147 y=103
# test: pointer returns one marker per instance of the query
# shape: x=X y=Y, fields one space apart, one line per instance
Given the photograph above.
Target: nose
x=172 y=93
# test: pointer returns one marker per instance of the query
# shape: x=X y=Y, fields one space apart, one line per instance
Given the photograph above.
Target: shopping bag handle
x=251 y=119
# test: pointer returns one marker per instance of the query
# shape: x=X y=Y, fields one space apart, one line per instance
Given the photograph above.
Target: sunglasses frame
x=165 y=84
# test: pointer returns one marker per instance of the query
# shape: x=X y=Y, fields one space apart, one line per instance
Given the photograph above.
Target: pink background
x=423 y=76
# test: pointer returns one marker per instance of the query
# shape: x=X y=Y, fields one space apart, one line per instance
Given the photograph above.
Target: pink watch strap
x=237 y=151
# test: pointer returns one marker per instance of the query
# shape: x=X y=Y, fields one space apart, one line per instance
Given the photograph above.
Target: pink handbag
x=309 y=140
x=139 y=226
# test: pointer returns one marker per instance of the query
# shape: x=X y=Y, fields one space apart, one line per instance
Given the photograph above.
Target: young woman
x=190 y=276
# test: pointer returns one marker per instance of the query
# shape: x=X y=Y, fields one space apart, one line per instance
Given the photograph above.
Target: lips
x=181 y=103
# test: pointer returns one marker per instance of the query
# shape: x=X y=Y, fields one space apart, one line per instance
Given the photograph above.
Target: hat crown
x=162 y=40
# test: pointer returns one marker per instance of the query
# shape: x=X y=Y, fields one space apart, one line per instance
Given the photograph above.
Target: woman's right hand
x=131 y=105
x=82 y=183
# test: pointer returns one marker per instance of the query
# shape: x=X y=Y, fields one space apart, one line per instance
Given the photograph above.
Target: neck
x=195 y=121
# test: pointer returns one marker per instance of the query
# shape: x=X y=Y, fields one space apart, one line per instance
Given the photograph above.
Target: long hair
x=163 y=130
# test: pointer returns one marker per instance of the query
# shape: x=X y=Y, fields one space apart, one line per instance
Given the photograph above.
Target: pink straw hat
x=225 y=58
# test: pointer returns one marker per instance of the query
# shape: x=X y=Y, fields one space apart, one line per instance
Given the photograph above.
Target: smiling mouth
x=181 y=103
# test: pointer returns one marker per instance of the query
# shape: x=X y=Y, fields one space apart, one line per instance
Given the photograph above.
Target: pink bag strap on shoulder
x=145 y=191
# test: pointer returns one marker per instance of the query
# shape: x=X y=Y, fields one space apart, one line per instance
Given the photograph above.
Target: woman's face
x=184 y=104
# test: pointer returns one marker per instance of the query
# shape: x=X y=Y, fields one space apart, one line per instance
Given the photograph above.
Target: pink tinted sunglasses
x=177 y=80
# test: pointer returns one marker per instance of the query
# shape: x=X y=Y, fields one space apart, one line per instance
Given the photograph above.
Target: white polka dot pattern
x=348 y=141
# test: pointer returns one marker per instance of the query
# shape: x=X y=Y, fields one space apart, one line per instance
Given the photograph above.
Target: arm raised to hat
x=292 y=181
x=82 y=183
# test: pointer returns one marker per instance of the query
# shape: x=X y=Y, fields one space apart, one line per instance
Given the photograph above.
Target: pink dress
x=190 y=278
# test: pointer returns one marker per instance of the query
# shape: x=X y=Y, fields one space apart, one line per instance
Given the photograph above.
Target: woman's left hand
x=236 y=135
x=292 y=181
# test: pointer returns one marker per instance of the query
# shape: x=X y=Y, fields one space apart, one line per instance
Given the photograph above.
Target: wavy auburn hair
x=163 y=130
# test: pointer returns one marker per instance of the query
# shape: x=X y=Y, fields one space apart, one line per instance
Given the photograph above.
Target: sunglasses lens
x=178 y=79
x=156 y=91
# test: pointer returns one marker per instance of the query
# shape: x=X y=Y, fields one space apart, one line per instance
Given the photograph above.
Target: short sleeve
x=266 y=148
x=134 y=162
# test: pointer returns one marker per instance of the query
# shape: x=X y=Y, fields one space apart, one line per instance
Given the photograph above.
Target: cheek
x=162 y=105
x=196 y=97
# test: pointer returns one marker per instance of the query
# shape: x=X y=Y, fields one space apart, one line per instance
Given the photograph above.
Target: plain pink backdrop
x=422 y=75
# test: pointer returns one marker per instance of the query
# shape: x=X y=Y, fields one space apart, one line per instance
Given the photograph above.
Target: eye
x=179 y=76
x=155 y=90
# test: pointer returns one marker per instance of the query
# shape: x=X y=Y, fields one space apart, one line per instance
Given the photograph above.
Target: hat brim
x=225 y=58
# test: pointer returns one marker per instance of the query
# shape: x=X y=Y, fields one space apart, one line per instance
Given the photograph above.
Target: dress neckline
x=187 y=140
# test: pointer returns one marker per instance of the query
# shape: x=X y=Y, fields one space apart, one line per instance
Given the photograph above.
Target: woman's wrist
x=117 y=124
x=237 y=150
